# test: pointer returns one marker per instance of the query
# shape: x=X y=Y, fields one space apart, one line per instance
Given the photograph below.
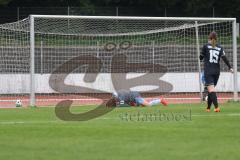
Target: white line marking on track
x=95 y=99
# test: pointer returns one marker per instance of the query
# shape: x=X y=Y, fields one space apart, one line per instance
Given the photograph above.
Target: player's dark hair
x=111 y=103
x=213 y=37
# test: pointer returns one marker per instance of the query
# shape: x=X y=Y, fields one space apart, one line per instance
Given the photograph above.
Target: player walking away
x=132 y=98
x=211 y=54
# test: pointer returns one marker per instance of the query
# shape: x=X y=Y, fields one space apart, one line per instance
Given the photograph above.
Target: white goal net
x=46 y=59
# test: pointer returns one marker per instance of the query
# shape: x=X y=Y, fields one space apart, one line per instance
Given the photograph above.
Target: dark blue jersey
x=211 y=56
x=127 y=97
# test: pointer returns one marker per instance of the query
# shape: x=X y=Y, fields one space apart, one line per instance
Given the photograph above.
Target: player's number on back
x=214 y=55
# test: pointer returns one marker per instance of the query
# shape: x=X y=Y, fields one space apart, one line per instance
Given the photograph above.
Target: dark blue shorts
x=211 y=79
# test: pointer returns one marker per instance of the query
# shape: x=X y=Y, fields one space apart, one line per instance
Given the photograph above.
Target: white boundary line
x=116 y=118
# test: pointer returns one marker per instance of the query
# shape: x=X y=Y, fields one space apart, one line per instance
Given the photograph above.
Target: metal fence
x=13 y=14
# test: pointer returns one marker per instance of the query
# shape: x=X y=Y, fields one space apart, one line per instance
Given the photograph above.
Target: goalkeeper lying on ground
x=131 y=98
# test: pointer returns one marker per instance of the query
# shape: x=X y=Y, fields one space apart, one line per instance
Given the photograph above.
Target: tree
x=4 y=2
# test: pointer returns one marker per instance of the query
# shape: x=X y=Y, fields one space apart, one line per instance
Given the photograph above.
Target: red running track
x=96 y=99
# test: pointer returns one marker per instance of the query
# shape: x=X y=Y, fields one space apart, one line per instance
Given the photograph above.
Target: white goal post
x=172 y=42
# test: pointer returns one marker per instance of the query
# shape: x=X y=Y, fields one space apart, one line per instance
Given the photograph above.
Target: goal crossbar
x=135 y=18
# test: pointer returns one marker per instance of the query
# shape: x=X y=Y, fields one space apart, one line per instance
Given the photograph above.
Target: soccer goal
x=47 y=58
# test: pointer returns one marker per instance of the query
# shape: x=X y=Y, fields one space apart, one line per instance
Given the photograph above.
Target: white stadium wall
x=182 y=82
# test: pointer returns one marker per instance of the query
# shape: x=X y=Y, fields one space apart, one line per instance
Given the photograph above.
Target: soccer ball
x=18 y=103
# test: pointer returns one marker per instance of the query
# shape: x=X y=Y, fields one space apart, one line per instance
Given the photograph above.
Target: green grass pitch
x=36 y=133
